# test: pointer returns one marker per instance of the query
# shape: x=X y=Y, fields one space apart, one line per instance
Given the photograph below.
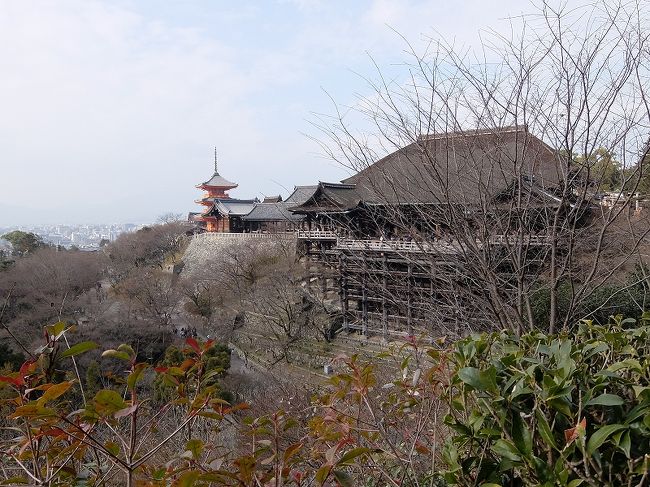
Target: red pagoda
x=222 y=213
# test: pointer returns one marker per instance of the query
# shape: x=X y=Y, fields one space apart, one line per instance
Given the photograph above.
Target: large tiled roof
x=457 y=168
x=454 y=168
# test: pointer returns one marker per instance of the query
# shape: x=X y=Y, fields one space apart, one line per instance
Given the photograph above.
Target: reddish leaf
x=187 y=363
x=583 y=426
x=194 y=344
x=161 y=370
x=578 y=430
x=420 y=448
x=27 y=369
x=17 y=381
x=52 y=432
x=570 y=435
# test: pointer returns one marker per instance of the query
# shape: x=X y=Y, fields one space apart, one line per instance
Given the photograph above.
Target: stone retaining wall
x=209 y=246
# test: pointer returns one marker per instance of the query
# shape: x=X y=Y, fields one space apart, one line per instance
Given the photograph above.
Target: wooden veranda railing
x=396 y=246
x=317 y=235
x=437 y=246
x=243 y=236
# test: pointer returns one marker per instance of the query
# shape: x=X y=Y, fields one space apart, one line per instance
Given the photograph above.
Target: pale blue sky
x=110 y=109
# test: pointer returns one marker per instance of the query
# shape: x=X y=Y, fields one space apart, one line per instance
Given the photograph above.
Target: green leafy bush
x=544 y=410
x=10 y=358
x=627 y=299
x=215 y=359
x=564 y=410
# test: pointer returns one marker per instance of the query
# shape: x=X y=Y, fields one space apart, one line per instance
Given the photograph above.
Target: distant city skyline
x=82 y=236
x=111 y=109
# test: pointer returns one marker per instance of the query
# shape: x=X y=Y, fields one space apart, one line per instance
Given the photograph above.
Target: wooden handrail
x=232 y=235
x=432 y=246
x=317 y=235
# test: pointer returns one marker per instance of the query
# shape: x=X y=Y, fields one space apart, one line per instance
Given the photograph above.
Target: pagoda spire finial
x=216 y=170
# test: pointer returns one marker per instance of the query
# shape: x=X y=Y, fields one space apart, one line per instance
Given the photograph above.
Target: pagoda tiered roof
x=218 y=181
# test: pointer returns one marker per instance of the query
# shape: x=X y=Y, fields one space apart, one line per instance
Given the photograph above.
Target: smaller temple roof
x=231 y=207
x=272 y=199
x=301 y=194
x=282 y=210
x=194 y=216
x=330 y=197
x=272 y=212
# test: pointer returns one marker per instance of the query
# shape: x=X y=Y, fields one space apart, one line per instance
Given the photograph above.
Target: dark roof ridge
x=474 y=132
x=234 y=200
x=337 y=185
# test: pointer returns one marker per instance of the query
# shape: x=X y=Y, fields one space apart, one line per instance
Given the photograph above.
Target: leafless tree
x=286 y=311
x=152 y=293
x=49 y=285
x=498 y=183
x=258 y=284
x=171 y=217
x=149 y=246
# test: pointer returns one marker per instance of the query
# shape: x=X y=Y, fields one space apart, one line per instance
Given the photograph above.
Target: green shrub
x=93 y=378
x=10 y=358
x=551 y=410
x=627 y=299
x=215 y=359
x=537 y=410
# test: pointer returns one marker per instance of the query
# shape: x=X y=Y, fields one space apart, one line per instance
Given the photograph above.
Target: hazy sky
x=109 y=110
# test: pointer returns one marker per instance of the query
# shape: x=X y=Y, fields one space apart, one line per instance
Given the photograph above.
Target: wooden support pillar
x=364 y=298
x=311 y=264
x=384 y=290
x=409 y=299
x=323 y=282
x=323 y=261
x=431 y=288
x=343 y=289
